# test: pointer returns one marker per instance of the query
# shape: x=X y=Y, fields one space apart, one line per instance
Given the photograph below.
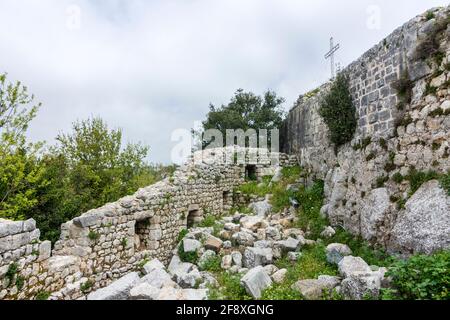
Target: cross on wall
x=330 y=55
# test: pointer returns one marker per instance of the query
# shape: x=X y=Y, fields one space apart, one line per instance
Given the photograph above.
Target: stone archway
x=194 y=216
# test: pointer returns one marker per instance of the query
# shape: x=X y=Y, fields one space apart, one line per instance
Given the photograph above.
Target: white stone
x=152 y=265
x=373 y=213
x=424 y=226
x=349 y=265
x=118 y=290
x=256 y=281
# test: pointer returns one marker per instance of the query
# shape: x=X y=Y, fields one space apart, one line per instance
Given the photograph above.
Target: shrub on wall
x=338 y=111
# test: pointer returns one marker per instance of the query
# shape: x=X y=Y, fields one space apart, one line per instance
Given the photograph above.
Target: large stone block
x=118 y=290
x=424 y=225
x=256 y=281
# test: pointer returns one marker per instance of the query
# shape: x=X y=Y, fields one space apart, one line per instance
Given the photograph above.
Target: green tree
x=246 y=111
x=338 y=111
x=100 y=170
x=20 y=173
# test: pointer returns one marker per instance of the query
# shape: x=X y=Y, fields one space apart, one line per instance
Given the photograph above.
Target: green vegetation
x=93 y=236
x=191 y=257
x=182 y=234
x=212 y=264
x=245 y=111
x=86 y=286
x=338 y=111
x=430 y=15
x=404 y=87
x=229 y=288
x=418 y=178
x=430 y=46
x=311 y=201
x=421 y=277
x=11 y=272
x=311 y=264
x=363 y=144
x=42 y=295
x=87 y=167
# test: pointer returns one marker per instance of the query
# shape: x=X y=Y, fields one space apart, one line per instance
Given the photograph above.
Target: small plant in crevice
x=93 y=236
x=380 y=182
x=190 y=257
x=338 y=112
x=429 y=47
x=124 y=242
x=430 y=15
x=383 y=144
x=404 y=87
x=182 y=234
x=430 y=90
x=42 y=295
x=417 y=178
x=11 y=272
x=371 y=156
x=86 y=286
x=398 y=177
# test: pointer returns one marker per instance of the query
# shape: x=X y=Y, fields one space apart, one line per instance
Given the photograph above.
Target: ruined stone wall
x=361 y=193
x=107 y=243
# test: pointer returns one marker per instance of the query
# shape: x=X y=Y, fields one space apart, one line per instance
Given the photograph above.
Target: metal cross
x=330 y=54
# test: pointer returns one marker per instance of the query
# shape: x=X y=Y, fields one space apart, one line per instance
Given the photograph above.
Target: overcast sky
x=151 y=67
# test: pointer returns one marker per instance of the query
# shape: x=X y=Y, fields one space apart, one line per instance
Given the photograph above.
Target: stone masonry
x=362 y=195
x=109 y=242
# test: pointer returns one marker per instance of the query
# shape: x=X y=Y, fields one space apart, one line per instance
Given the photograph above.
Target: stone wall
x=362 y=195
x=109 y=242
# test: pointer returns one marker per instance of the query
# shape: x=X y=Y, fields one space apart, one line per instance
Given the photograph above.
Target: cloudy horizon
x=151 y=67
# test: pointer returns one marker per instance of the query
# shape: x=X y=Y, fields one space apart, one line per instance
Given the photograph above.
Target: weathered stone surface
x=213 y=243
x=87 y=220
x=205 y=257
x=349 y=265
x=328 y=232
x=191 y=245
x=118 y=290
x=424 y=226
x=375 y=209
x=243 y=238
x=158 y=278
x=279 y=276
x=336 y=252
x=227 y=262
x=262 y=208
x=144 y=291
x=314 y=289
x=362 y=285
x=257 y=257
x=236 y=257
x=256 y=281
x=253 y=222
x=152 y=265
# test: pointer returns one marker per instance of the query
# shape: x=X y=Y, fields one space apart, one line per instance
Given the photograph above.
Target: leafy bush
x=422 y=277
x=86 y=286
x=212 y=264
x=191 y=257
x=338 y=111
x=311 y=201
x=229 y=288
x=182 y=234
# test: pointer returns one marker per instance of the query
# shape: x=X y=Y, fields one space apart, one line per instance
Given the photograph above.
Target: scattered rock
x=256 y=281
x=279 y=276
x=328 y=232
x=213 y=243
x=118 y=290
x=350 y=264
x=190 y=245
x=227 y=262
x=336 y=252
x=144 y=291
x=254 y=257
x=152 y=265
x=262 y=208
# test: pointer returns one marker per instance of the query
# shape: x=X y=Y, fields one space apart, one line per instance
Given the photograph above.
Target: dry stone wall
x=109 y=242
x=391 y=139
